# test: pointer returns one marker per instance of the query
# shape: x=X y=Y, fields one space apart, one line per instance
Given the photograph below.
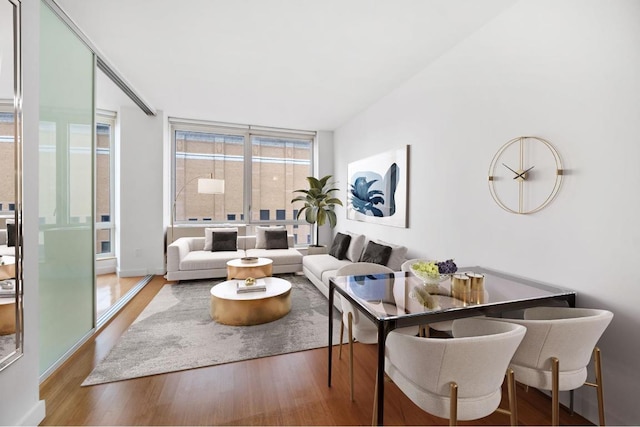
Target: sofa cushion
x=355 y=247
x=224 y=241
x=276 y=239
x=207 y=260
x=376 y=253
x=208 y=235
x=279 y=256
x=340 y=245
x=7 y=250
x=261 y=238
x=398 y=255
x=318 y=264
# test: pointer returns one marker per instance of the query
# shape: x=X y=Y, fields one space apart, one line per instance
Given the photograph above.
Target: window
x=104 y=175
x=261 y=167
x=202 y=154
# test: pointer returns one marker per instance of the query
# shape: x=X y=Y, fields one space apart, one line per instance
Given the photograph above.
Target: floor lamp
x=207 y=185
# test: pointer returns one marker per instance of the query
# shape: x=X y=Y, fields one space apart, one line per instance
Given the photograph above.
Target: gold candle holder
x=477 y=281
x=477 y=287
x=461 y=287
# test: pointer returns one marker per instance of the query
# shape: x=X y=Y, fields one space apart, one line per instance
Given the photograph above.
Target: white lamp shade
x=210 y=186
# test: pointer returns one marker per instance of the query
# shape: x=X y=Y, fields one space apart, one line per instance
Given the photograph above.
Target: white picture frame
x=377 y=188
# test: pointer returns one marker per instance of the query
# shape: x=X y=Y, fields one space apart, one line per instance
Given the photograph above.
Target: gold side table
x=239 y=269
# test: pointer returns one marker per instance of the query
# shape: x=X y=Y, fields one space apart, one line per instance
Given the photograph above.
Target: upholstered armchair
x=556 y=350
x=459 y=378
x=358 y=327
x=437 y=326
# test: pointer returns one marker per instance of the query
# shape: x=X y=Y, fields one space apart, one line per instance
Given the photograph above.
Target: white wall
x=323 y=165
x=20 y=404
x=139 y=178
x=567 y=71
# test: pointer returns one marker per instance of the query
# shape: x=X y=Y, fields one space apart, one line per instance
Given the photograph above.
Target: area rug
x=175 y=332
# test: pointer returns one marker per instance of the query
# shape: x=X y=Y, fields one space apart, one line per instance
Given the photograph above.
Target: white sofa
x=320 y=268
x=187 y=259
x=4 y=249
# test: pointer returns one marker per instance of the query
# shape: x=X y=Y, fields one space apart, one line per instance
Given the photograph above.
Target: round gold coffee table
x=250 y=308
x=239 y=269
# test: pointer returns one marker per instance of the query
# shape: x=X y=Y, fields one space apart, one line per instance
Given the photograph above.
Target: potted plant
x=319 y=204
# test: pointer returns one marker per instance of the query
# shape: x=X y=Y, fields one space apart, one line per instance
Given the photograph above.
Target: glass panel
x=7 y=167
x=103 y=172
x=204 y=155
x=11 y=332
x=104 y=191
x=396 y=295
x=66 y=189
x=103 y=241
x=278 y=167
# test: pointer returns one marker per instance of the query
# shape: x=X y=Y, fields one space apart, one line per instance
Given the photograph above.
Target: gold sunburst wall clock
x=525 y=175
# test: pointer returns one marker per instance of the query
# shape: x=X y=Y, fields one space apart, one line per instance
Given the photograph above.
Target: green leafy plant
x=319 y=203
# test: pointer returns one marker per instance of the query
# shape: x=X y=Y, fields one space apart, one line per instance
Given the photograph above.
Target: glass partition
x=11 y=331
x=66 y=234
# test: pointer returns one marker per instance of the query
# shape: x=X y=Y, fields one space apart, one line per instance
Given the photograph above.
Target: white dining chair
x=556 y=350
x=458 y=378
x=444 y=326
x=358 y=327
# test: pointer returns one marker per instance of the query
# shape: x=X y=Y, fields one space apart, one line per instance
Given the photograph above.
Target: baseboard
x=133 y=272
x=35 y=416
x=106 y=265
x=142 y=272
x=105 y=270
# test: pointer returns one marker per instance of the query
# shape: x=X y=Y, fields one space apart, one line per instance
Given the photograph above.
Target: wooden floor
x=289 y=389
x=110 y=288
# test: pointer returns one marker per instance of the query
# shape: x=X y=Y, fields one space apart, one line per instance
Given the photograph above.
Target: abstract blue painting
x=378 y=188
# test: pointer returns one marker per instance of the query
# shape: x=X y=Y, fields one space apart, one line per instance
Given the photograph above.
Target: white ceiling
x=302 y=64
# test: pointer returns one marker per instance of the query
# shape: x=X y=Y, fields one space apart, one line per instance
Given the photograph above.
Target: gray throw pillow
x=11 y=234
x=261 y=240
x=224 y=241
x=376 y=253
x=276 y=239
x=340 y=245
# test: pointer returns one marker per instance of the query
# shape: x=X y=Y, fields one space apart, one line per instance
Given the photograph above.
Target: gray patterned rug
x=7 y=344
x=175 y=332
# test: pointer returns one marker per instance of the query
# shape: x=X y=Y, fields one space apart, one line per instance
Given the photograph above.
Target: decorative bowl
x=428 y=278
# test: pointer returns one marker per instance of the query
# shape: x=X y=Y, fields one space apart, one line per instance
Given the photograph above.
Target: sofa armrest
x=176 y=252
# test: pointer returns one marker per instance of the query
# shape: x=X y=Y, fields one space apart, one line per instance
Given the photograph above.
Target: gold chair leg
x=598 y=365
x=453 y=404
x=341 y=338
x=423 y=331
x=555 y=386
x=350 y=331
x=513 y=402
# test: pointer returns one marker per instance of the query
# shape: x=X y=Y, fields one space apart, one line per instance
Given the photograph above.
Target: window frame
x=247 y=132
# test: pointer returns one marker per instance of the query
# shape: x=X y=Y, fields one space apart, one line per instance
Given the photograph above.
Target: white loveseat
x=319 y=268
x=187 y=259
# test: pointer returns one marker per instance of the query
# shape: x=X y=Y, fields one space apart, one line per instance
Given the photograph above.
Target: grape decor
x=447 y=267
x=434 y=271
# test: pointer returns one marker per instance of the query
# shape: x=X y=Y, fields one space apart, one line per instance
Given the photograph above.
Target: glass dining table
x=396 y=300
